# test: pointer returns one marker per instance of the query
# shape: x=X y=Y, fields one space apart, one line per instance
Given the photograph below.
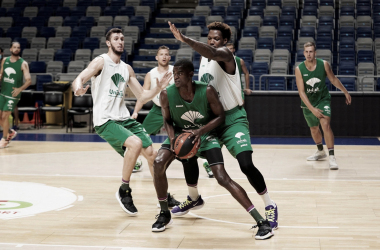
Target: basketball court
x=59 y=193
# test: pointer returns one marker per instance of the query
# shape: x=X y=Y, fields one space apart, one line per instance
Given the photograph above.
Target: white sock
x=267 y=200
x=193 y=192
x=203 y=161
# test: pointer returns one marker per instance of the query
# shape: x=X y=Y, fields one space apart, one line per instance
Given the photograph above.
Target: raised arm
x=28 y=80
x=143 y=95
x=336 y=82
x=93 y=69
x=139 y=104
x=168 y=123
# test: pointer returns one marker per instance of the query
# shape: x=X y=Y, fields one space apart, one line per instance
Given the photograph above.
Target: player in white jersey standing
x=219 y=69
x=110 y=77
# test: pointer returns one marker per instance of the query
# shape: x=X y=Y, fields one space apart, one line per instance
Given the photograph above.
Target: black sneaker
x=265 y=230
x=163 y=219
x=172 y=202
x=125 y=200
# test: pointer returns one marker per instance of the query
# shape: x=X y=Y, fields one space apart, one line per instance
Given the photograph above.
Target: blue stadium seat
x=346 y=32
x=265 y=43
x=313 y=3
x=54 y=3
x=376 y=10
x=238 y=3
x=198 y=21
x=232 y=21
x=245 y=54
x=366 y=56
x=71 y=43
x=310 y=11
x=38 y=21
x=196 y=67
x=234 y=11
x=349 y=83
x=117 y=3
x=347 y=11
x=150 y=3
x=364 y=11
x=3 y=11
x=111 y=11
x=218 y=11
x=258 y=69
x=37 y=67
x=79 y=11
x=307 y=32
x=325 y=31
x=251 y=31
x=347 y=68
x=363 y=3
x=256 y=11
x=274 y=3
x=347 y=43
x=38 y=3
x=100 y=3
x=206 y=3
x=347 y=55
x=289 y=11
x=270 y=21
x=47 y=32
x=21 y=21
x=287 y=21
x=91 y=43
x=138 y=21
x=300 y=56
x=326 y=21
x=63 y=11
x=261 y=3
x=324 y=43
x=141 y=70
x=276 y=83
x=22 y=3
x=87 y=21
x=204 y=32
x=1 y=32
x=285 y=32
x=41 y=79
x=79 y=32
x=23 y=42
x=376 y=32
x=45 y=11
x=365 y=32
x=83 y=3
x=14 y=12
x=71 y=21
x=63 y=55
x=127 y=11
x=13 y=32
x=283 y=43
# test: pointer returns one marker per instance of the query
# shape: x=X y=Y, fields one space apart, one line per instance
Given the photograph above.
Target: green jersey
x=187 y=115
x=12 y=76
x=314 y=83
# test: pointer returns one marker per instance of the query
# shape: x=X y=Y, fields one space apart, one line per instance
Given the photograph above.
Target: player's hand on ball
x=196 y=134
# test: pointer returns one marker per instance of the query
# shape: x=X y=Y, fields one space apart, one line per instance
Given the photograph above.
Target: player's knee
x=314 y=130
x=133 y=142
x=325 y=125
x=222 y=178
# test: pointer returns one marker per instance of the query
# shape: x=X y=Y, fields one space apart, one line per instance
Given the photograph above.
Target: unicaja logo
x=239 y=135
x=313 y=81
x=9 y=71
x=191 y=116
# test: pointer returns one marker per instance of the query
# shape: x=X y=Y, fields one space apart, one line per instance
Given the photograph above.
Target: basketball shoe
x=163 y=219
x=271 y=213
x=333 y=164
x=208 y=170
x=3 y=143
x=317 y=156
x=11 y=135
x=171 y=201
x=188 y=205
x=138 y=166
x=125 y=200
x=265 y=231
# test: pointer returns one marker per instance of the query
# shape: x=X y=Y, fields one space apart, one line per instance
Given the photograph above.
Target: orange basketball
x=184 y=147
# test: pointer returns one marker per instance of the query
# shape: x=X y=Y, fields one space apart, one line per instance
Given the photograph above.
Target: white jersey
x=108 y=91
x=155 y=74
x=228 y=86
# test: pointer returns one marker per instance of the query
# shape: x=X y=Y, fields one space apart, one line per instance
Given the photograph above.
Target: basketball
x=184 y=147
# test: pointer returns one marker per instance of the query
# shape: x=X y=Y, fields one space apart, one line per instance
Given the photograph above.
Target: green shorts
x=8 y=103
x=311 y=119
x=208 y=141
x=116 y=132
x=154 y=121
x=234 y=133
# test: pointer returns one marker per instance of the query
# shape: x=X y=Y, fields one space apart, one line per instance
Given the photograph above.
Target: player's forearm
x=337 y=83
x=203 y=49
x=305 y=99
x=246 y=81
x=26 y=84
x=148 y=95
x=214 y=123
x=138 y=106
x=170 y=130
x=77 y=84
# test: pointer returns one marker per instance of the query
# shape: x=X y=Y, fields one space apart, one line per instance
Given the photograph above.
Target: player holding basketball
x=110 y=77
x=195 y=106
x=316 y=100
x=13 y=69
x=218 y=68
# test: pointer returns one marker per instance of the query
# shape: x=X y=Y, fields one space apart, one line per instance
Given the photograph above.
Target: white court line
x=67 y=189
x=21 y=216
x=64 y=208
x=80 y=197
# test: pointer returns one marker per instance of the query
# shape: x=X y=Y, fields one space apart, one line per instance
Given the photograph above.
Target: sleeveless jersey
x=228 y=86
x=12 y=77
x=314 y=83
x=187 y=115
x=237 y=59
x=108 y=91
x=155 y=74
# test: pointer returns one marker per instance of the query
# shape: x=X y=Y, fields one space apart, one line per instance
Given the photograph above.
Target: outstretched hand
x=81 y=91
x=177 y=34
x=164 y=82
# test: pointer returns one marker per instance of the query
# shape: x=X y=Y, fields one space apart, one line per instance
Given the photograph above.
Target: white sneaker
x=333 y=164
x=138 y=166
x=3 y=143
x=317 y=156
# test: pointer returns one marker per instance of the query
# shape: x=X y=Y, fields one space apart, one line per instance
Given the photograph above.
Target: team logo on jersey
x=117 y=78
x=10 y=103
x=9 y=71
x=207 y=78
x=313 y=81
x=327 y=109
x=191 y=116
x=239 y=135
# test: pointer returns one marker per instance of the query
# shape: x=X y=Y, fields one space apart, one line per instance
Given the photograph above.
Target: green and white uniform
x=192 y=115
x=316 y=91
x=238 y=62
x=234 y=133
x=12 y=78
x=111 y=117
x=154 y=121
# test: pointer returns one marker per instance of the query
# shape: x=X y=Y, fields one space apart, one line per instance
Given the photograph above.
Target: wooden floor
x=72 y=188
